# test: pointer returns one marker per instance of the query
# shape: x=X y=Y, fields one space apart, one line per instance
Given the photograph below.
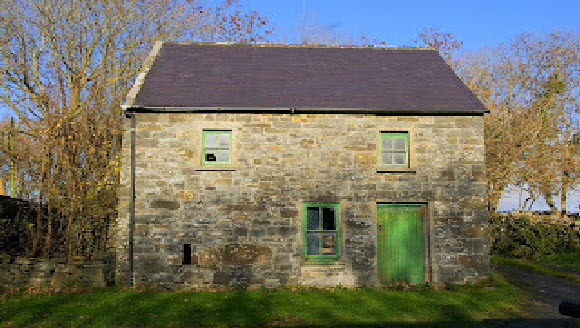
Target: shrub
x=518 y=237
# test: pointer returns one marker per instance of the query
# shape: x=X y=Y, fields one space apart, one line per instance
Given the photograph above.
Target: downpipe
x=132 y=209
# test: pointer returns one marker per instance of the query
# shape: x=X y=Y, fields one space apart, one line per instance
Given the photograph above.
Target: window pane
x=399 y=143
x=400 y=158
x=328 y=218
x=312 y=218
x=210 y=140
x=387 y=143
x=224 y=140
x=387 y=158
x=312 y=243
x=223 y=155
x=329 y=244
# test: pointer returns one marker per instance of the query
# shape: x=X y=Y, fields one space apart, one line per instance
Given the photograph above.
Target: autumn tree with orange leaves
x=530 y=85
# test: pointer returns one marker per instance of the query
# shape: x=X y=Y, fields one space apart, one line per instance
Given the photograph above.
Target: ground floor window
x=321 y=232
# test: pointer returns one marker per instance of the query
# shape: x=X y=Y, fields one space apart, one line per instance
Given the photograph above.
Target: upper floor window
x=216 y=147
x=394 y=149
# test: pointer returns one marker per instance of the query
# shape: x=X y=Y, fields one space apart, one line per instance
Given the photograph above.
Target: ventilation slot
x=186 y=253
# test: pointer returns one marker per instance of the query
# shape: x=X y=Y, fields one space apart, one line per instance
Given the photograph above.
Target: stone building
x=268 y=165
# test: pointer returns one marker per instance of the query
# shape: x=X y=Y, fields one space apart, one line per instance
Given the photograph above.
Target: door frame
x=428 y=238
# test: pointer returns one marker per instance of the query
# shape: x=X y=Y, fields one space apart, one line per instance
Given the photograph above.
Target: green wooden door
x=400 y=248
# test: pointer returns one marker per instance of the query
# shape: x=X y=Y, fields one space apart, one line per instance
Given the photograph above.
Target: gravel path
x=547 y=292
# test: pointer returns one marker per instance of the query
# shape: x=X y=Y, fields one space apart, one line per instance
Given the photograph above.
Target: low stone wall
x=31 y=272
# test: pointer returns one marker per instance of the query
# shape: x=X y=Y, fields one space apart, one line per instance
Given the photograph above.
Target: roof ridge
x=278 y=45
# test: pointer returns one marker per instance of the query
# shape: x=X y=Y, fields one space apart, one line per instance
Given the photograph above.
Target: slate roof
x=409 y=80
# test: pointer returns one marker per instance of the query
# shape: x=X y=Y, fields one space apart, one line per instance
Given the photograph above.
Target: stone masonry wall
x=20 y=272
x=244 y=225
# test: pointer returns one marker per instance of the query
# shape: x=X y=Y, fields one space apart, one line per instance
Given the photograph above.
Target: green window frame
x=216 y=147
x=394 y=149
x=320 y=230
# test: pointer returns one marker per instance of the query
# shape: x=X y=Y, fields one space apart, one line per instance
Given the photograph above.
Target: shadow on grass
x=185 y=310
x=489 y=323
x=258 y=309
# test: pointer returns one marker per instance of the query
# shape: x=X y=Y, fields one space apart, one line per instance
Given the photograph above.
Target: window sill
x=396 y=170
x=315 y=262
x=216 y=168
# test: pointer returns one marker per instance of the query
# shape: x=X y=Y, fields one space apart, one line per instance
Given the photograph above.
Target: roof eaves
x=132 y=94
x=297 y=110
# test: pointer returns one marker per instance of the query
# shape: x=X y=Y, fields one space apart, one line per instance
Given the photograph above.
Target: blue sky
x=476 y=23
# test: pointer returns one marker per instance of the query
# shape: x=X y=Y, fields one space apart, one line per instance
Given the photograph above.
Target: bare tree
x=444 y=42
x=64 y=70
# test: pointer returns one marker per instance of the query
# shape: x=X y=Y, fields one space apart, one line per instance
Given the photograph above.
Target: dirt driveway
x=546 y=292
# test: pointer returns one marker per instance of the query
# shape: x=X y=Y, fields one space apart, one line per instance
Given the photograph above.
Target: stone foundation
x=327 y=275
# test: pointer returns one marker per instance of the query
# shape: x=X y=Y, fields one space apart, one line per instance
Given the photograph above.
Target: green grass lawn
x=566 y=260
x=111 y=307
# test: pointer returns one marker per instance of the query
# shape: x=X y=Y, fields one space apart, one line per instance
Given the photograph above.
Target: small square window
x=321 y=230
x=216 y=147
x=394 y=149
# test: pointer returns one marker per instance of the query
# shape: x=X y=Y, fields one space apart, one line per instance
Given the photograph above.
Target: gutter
x=301 y=110
x=132 y=209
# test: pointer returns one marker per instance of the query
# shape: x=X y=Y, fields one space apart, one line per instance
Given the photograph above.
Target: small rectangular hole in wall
x=210 y=157
x=186 y=253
